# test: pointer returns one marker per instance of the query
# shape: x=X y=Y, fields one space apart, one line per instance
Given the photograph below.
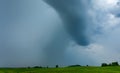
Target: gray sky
x=33 y=32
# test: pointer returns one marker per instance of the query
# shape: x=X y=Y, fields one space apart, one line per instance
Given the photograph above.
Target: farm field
x=63 y=70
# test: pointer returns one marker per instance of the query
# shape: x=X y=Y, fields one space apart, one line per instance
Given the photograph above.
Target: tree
x=75 y=65
x=110 y=64
x=104 y=64
x=57 y=66
x=115 y=64
x=37 y=67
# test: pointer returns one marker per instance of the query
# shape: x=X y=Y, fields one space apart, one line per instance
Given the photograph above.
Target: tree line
x=110 y=64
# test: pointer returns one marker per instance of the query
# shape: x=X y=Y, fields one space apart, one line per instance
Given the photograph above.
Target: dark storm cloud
x=74 y=15
x=118 y=15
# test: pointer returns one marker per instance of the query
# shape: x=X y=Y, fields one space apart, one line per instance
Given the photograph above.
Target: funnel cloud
x=74 y=14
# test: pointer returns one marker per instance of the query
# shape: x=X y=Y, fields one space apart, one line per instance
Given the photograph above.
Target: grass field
x=63 y=70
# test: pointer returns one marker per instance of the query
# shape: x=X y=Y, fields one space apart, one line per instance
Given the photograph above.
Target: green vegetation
x=110 y=69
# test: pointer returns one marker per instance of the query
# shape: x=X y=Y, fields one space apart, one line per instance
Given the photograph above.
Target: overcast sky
x=64 y=32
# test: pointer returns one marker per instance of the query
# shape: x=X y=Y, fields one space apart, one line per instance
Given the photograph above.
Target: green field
x=62 y=70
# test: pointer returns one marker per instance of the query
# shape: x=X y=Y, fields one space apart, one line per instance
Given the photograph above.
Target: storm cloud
x=76 y=18
x=64 y=32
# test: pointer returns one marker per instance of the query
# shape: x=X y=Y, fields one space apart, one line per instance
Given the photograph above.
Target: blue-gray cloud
x=74 y=14
x=32 y=33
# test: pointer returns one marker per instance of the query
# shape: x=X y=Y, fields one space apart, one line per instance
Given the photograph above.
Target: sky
x=64 y=32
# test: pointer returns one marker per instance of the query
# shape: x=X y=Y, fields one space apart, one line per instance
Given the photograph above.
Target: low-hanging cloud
x=76 y=18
